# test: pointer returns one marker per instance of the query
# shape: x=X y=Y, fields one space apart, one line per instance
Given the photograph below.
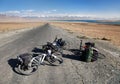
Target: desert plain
x=104 y=32
x=110 y=33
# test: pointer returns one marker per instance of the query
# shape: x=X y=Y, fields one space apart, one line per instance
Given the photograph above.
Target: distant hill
x=10 y=18
x=6 y=18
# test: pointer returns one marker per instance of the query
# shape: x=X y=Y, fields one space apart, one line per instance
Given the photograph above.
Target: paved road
x=72 y=71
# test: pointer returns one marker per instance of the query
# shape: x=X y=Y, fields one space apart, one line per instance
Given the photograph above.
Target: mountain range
x=12 y=18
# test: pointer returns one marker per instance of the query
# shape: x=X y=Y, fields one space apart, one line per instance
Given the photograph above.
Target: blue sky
x=99 y=8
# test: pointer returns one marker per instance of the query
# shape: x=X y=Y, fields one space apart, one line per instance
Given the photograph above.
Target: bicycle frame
x=38 y=59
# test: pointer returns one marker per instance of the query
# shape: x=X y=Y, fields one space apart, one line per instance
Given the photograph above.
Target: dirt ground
x=97 y=31
x=8 y=26
x=109 y=33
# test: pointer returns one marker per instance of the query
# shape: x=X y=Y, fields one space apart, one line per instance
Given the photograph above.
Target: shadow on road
x=77 y=55
x=73 y=57
x=75 y=51
x=81 y=55
x=13 y=63
x=37 y=50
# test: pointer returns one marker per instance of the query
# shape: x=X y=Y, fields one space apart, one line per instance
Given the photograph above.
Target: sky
x=95 y=8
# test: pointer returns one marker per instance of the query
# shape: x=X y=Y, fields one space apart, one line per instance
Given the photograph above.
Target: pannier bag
x=90 y=53
x=26 y=58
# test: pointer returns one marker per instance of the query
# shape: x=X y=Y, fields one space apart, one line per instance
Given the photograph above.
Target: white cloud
x=50 y=11
x=53 y=13
x=54 y=10
x=13 y=12
x=30 y=10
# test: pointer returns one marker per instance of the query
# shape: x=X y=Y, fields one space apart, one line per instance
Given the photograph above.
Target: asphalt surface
x=71 y=71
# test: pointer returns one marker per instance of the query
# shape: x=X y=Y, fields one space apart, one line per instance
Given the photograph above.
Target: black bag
x=90 y=44
x=86 y=50
x=61 y=43
x=26 y=58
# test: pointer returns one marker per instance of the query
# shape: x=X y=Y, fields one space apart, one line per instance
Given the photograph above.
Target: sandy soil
x=8 y=30
x=97 y=31
x=8 y=26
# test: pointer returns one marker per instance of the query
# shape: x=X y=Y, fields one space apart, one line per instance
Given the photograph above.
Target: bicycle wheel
x=101 y=56
x=54 y=60
x=22 y=69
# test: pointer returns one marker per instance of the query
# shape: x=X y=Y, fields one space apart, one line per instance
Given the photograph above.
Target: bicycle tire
x=101 y=56
x=55 y=61
x=25 y=72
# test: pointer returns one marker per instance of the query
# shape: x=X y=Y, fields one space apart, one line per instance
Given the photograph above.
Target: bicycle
x=58 y=45
x=36 y=61
x=89 y=52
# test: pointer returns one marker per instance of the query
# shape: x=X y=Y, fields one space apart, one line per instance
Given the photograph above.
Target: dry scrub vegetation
x=8 y=26
x=96 y=31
